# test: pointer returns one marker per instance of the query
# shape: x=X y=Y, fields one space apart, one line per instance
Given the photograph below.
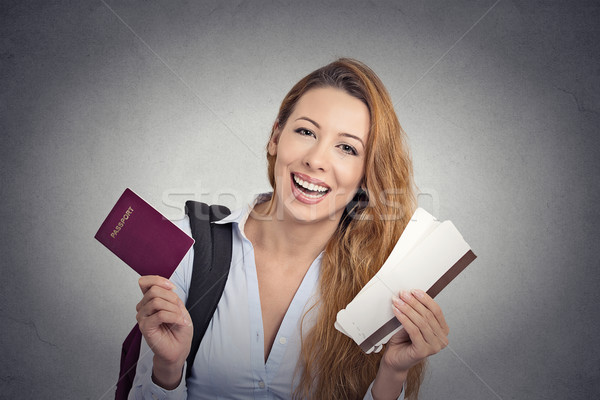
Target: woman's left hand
x=425 y=331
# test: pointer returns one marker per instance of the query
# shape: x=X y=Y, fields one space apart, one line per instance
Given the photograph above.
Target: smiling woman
x=320 y=155
x=342 y=195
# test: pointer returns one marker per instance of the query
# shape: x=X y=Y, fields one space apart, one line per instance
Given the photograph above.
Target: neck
x=285 y=238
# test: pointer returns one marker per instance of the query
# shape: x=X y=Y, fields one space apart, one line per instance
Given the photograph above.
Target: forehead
x=334 y=110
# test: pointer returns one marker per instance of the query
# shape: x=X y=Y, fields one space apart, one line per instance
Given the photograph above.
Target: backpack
x=212 y=258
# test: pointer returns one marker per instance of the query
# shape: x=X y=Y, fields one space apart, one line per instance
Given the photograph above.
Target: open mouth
x=310 y=190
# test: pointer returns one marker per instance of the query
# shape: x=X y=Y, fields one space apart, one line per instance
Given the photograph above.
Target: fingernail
x=405 y=295
x=168 y=284
x=418 y=293
x=396 y=300
x=396 y=307
x=187 y=321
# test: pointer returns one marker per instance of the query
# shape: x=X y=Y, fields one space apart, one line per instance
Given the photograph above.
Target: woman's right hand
x=167 y=327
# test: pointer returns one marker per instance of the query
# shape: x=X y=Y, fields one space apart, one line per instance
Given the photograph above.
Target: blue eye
x=346 y=148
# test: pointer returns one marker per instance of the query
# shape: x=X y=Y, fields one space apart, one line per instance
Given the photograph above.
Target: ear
x=274 y=139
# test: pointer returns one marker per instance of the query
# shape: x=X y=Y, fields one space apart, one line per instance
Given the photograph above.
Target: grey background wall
x=500 y=99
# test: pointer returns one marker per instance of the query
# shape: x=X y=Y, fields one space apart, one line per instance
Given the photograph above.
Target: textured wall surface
x=500 y=99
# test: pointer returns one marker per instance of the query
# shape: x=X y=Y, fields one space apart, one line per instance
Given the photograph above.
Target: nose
x=317 y=157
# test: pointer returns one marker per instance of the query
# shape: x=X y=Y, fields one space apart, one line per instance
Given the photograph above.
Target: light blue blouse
x=230 y=360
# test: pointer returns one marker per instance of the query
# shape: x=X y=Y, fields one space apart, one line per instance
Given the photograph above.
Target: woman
x=342 y=195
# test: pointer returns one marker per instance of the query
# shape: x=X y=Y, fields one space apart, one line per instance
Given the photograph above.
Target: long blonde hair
x=331 y=365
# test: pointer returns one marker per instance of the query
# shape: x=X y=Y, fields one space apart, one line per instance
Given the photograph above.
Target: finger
x=157 y=304
x=423 y=319
x=420 y=339
x=419 y=309
x=417 y=314
x=423 y=304
x=158 y=292
x=147 y=281
x=162 y=317
x=400 y=310
x=433 y=307
x=420 y=347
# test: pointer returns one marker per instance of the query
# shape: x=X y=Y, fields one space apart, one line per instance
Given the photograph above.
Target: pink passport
x=142 y=237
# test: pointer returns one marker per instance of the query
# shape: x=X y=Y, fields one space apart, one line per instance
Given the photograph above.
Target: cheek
x=288 y=153
x=281 y=161
x=282 y=167
x=349 y=179
x=352 y=175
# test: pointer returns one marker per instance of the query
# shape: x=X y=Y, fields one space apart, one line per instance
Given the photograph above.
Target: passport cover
x=142 y=237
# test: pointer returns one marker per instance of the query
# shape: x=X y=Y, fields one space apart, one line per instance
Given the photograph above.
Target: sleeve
x=369 y=395
x=143 y=387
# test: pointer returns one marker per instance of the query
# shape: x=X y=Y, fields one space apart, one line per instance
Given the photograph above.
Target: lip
x=299 y=195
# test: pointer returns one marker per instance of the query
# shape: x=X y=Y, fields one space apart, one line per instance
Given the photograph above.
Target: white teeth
x=314 y=196
x=311 y=186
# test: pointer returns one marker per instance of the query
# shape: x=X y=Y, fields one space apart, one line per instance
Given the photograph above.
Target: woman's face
x=320 y=155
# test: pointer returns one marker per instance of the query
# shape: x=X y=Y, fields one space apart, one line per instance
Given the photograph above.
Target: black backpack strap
x=212 y=258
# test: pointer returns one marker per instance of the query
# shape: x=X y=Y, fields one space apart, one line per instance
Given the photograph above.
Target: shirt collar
x=240 y=216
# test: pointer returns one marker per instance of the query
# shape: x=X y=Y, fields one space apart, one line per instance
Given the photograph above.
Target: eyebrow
x=341 y=134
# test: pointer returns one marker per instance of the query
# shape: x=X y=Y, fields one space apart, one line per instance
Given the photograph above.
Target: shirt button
x=261 y=384
x=282 y=340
